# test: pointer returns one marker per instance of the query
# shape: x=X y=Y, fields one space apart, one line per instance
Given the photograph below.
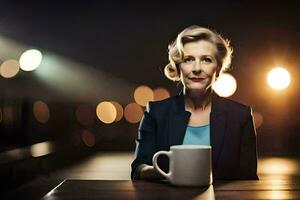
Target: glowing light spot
x=85 y=115
x=225 y=85
x=160 y=94
x=258 y=119
x=276 y=182
x=41 y=111
x=41 y=149
x=279 y=78
x=119 y=109
x=279 y=194
x=9 y=68
x=133 y=113
x=30 y=60
x=106 y=112
x=278 y=166
x=88 y=138
x=143 y=94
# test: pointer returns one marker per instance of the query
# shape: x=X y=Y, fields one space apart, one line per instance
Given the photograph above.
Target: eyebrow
x=206 y=55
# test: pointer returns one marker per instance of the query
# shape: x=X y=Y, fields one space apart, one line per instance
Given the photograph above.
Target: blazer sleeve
x=145 y=143
x=248 y=153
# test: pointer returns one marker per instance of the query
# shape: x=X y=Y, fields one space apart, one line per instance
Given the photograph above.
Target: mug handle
x=154 y=160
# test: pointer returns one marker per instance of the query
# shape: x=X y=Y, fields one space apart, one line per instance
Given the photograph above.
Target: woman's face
x=199 y=67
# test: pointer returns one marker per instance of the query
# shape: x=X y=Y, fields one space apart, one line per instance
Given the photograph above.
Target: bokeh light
x=85 y=115
x=160 y=94
x=41 y=149
x=88 y=138
x=106 y=112
x=119 y=109
x=133 y=113
x=278 y=171
x=279 y=78
x=41 y=111
x=143 y=94
x=278 y=166
x=225 y=85
x=9 y=68
x=258 y=119
x=30 y=60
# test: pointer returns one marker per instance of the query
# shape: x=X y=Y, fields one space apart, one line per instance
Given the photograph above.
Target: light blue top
x=197 y=135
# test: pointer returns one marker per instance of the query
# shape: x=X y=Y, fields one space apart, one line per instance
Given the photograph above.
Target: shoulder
x=161 y=104
x=233 y=106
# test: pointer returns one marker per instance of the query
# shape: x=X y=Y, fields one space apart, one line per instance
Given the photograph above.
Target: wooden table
x=116 y=189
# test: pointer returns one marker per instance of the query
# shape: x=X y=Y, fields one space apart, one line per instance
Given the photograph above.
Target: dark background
x=127 y=41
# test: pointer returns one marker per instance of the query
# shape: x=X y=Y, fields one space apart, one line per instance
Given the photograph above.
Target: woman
x=198 y=115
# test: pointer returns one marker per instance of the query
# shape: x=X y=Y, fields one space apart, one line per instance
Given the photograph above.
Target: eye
x=207 y=60
x=188 y=59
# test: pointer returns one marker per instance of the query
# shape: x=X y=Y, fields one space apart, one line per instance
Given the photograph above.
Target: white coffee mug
x=190 y=165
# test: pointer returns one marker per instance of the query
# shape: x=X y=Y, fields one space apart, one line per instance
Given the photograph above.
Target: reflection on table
x=114 y=189
x=279 y=179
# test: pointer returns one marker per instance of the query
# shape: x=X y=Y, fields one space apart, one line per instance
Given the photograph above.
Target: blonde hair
x=191 y=34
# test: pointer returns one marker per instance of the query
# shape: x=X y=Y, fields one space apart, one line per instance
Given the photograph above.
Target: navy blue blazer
x=232 y=136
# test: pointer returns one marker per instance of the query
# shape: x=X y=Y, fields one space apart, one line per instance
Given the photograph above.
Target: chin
x=196 y=89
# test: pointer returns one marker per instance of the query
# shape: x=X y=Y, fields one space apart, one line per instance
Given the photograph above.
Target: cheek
x=211 y=71
x=184 y=77
x=184 y=71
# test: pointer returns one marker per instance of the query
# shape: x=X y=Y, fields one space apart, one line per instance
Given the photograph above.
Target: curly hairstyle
x=196 y=33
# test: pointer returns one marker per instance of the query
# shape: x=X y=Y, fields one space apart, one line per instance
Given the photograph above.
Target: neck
x=197 y=100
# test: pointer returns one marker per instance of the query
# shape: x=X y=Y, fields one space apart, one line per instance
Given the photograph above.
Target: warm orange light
x=278 y=166
x=106 y=112
x=9 y=68
x=160 y=94
x=85 y=115
x=258 y=119
x=119 y=109
x=143 y=94
x=88 y=138
x=41 y=111
x=279 y=78
x=225 y=85
x=278 y=194
x=133 y=113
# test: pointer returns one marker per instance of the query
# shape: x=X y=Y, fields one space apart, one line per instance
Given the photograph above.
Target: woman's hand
x=148 y=172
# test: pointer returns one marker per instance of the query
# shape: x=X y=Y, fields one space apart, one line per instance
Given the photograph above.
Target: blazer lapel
x=218 y=119
x=179 y=118
x=178 y=121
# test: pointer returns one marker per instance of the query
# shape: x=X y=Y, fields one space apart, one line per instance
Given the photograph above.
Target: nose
x=197 y=72
x=197 y=69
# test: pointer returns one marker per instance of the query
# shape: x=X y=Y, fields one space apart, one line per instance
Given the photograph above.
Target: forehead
x=199 y=48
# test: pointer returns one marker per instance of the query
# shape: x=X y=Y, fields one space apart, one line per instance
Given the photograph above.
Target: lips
x=196 y=79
